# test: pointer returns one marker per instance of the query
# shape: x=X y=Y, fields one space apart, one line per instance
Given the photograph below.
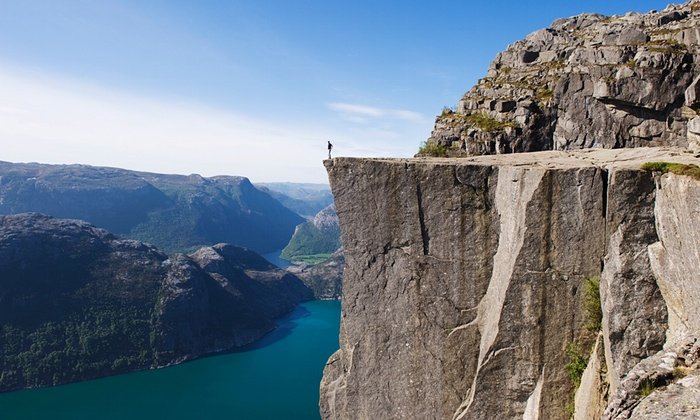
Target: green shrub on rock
x=690 y=170
x=432 y=149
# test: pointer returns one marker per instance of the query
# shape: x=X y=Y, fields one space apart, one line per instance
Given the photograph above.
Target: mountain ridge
x=173 y=212
x=77 y=302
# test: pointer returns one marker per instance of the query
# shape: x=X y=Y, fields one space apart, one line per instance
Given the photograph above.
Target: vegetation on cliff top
x=432 y=149
x=690 y=170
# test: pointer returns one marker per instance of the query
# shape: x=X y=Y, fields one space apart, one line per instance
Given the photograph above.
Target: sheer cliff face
x=587 y=81
x=464 y=281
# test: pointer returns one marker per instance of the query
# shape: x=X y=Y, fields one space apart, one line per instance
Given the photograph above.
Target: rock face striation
x=465 y=286
x=76 y=302
x=586 y=81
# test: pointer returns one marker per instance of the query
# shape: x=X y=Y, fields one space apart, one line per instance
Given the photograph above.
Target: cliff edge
x=470 y=286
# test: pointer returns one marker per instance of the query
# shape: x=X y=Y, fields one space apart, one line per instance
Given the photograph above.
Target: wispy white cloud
x=46 y=118
x=406 y=115
x=365 y=113
x=355 y=109
x=52 y=120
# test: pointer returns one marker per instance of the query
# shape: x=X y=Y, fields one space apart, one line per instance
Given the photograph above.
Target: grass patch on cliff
x=579 y=351
x=487 y=123
x=690 y=170
x=446 y=110
x=667 y=45
x=577 y=363
x=680 y=372
x=544 y=94
x=591 y=304
x=647 y=388
x=432 y=149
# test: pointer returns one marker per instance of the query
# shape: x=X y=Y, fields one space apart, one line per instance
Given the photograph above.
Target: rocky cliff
x=77 y=302
x=176 y=213
x=586 y=81
x=535 y=286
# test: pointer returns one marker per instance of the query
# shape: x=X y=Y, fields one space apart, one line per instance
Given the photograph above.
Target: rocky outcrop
x=464 y=289
x=586 y=81
x=77 y=302
x=176 y=213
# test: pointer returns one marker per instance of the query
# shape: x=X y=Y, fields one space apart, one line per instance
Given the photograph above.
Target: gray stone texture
x=675 y=259
x=627 y=280
x=464 y=280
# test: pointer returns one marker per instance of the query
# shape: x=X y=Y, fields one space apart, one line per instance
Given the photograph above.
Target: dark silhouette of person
x=330 y=147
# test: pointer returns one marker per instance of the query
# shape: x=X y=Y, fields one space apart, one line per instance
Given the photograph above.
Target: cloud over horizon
x=364 y=113
x=49 y=120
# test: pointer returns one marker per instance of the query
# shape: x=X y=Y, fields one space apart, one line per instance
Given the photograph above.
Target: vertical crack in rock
x=466 y=331
x=676 y=257
x=532 y=408
x=604 y=199
x=514 y=191
x=627 y=279
x=421 y=219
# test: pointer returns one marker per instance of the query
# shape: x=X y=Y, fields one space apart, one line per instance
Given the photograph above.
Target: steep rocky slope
x=324 y=279
x=76 y=302
x=176 y=213
x=586 y=81
x=465 y=283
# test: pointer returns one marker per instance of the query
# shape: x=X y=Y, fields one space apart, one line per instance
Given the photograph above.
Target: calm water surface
x=277 y=378
x=276 y=259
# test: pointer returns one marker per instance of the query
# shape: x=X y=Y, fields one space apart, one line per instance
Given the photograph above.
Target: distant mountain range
x=76 y=302
x=304 y=199
x=176 y=213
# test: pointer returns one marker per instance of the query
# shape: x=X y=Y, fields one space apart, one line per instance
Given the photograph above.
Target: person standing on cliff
x=330 y=147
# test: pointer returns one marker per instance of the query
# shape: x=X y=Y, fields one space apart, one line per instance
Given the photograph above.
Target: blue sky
x=252 y=88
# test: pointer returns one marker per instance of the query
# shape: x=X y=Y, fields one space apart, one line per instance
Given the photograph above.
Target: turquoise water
x=277 y=378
